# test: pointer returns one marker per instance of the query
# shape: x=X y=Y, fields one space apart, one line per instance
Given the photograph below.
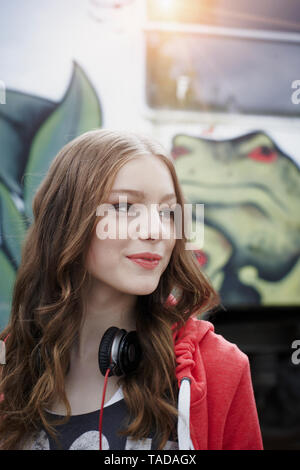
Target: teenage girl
x=104 y=346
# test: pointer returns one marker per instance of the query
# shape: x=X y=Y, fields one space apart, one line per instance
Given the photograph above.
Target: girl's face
x=150 y=229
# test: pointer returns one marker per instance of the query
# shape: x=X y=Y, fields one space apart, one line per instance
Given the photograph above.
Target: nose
x=152 y=225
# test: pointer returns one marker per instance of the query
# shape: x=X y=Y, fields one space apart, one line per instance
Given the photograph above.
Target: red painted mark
x=179 y=151
x=201 y=257
x=171 y=300
x=263 y=154
x=209 y=130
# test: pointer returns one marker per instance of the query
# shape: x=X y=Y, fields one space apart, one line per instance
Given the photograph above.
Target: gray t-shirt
x=81 y=432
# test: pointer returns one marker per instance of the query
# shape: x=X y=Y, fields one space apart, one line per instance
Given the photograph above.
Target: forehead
x=153 y=163
x=142 y=176
x=141 y=195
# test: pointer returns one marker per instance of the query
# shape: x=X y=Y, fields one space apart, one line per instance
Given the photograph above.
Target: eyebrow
x=141 y=194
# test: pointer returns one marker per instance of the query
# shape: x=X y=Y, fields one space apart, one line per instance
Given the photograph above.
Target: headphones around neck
x=119 y=351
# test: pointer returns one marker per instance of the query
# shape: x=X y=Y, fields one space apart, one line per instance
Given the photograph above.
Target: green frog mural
x=251 y=194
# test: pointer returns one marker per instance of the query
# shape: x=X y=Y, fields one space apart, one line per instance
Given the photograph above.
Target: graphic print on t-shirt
x=81 y=432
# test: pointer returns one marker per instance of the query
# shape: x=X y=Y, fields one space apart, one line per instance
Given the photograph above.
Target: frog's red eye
x=201 y=257
x=263 y=154
x=179 y=151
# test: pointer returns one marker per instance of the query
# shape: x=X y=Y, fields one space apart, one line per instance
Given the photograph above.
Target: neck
x=104 y=307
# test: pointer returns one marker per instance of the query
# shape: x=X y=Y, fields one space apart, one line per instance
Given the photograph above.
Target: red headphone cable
x=101 y=410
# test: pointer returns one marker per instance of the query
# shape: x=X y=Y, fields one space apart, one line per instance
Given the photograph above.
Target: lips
x=144 y=263
x=145 y=256
x=145 y=260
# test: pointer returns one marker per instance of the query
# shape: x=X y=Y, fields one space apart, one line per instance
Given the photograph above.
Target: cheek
x=103 y=255
x=172 y=240
x=169 y=247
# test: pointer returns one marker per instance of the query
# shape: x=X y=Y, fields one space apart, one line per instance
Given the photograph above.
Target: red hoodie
x=216 y=404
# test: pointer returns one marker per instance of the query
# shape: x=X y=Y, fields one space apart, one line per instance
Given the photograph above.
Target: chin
x=143 y=288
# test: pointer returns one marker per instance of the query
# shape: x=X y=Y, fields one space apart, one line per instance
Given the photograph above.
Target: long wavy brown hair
x=47 y=302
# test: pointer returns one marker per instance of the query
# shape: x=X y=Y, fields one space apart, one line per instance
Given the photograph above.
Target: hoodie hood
x=191 y=376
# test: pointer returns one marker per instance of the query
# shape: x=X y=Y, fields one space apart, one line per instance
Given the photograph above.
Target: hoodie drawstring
x=183 y=426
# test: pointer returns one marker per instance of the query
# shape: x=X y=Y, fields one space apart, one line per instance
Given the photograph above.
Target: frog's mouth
x=232 y=195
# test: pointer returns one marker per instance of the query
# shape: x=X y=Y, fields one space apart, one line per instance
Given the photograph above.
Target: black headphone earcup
x=130 y=352
x=104 y=354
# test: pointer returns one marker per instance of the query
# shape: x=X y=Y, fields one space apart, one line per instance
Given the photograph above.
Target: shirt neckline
x=117 y=396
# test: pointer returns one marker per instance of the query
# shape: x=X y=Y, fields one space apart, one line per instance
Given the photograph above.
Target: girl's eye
x=169 y=212
x=122 y=205
x=125 y=205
